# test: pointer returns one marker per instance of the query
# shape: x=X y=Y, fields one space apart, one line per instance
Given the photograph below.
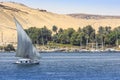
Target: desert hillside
x=91 y=16
x=30 y=17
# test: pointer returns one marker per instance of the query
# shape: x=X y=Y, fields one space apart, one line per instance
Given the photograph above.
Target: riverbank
x=70 y=48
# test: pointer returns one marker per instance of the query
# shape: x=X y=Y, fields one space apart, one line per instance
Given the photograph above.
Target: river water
x=63 y=66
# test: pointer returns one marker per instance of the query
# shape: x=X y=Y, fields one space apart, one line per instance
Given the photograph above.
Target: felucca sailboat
x=25 y=49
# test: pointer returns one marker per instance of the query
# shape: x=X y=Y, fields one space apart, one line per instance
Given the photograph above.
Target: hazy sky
x=103 y=7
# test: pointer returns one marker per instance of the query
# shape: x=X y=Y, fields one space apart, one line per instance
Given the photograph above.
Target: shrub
x=9 y=47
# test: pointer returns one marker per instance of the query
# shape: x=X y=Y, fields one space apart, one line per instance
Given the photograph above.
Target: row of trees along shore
x=80 y=37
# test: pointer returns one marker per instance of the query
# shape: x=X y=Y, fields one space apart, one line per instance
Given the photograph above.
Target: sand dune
x=30 y=17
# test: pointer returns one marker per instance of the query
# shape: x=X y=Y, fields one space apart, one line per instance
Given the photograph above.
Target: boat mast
x=116 y=38
x=96 y=43
x=102 y=43
x=42 y=37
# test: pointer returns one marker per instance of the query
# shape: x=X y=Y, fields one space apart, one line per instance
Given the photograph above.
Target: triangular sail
x=25 y=48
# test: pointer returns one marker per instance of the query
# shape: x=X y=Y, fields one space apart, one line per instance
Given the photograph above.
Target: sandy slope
x=29 y=17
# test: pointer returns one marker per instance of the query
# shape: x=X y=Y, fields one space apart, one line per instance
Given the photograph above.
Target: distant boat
x=25 y=49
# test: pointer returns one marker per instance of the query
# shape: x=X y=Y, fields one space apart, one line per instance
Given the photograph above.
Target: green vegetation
x=9 y=47
x=82 y=37
x=39 y=35
x=1 y=47
x=54 y=28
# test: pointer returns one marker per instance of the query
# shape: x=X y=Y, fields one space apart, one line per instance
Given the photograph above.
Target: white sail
x=25 y=48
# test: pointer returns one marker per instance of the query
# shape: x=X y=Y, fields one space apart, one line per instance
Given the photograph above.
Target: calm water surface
x=63 y=66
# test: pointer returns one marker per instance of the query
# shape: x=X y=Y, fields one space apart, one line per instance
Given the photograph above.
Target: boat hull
x=26 y=62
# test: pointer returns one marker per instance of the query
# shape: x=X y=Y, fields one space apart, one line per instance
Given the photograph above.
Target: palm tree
x=54 y=29
x=101 y=32
x=60 y=30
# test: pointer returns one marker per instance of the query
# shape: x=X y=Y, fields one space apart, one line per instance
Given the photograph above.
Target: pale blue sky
x=102 y=7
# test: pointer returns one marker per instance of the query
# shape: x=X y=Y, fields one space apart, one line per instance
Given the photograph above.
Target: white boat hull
x=27 y=61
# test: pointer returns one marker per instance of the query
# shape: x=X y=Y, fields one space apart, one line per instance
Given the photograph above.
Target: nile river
x=63 y=66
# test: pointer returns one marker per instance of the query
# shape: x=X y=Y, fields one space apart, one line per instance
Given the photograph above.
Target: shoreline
x=67 y=52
